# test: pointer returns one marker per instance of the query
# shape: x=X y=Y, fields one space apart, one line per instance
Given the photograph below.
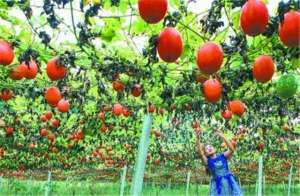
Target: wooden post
x=48 y=184
x=123 y=180
x=290 y=180
x=140 y=163
x=260 y=176
x=188 y=177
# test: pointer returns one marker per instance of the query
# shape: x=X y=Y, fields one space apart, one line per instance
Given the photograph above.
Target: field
x=85 y=188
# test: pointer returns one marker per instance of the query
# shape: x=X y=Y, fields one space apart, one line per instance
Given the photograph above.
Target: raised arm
x=231 y=149
x=200 y=148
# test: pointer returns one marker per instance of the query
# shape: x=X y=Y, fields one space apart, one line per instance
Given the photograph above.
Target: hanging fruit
x=31 y=69
x=136 y=90
x=63 y=106
x=118 y=86
x=254 y=17
x=212 y=90
x=7 y=54
x=287 y=86
x=52 y=96
x=210 y=58
x=263 y=68
x=55 y=70
x=289 y=29
x=6 y=94
x=237 y=107
x=226 y=114
x=169 y=45
x=18 y=72
x=152 y=11
x=117 y=109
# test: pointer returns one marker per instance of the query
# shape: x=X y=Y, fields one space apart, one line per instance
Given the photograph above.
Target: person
x=223 y=183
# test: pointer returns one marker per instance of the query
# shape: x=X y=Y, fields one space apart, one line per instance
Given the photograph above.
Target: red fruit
x=117 y=109
x=7 y=54
x=254 y=17
x=55 y=71
x=151 y=109
x=103 y=128
x=260 y=147
x=79 y=135
x=169 y=45
x=161 y=111
x=32 y=146
x=289 y=29
x=9 y=131
x=51 y=137
x=101 y=115
x=237 y=107
x=118 y=86
x=55 y=123
x=48 y=115
x=18 y=72
x=6 y=94
x=195 y=124
x=210 y=58
x=55 y=150
x=43 y=132
x=43 y=118
x=152 y=11
x=126 y=112
x=263 y=69
x=63 y=106
x=227 y=114
x=31 y=69
x=212 y=90
x=52 y=96
x=136 y=90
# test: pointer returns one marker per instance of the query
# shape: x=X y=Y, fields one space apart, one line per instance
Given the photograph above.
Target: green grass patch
x=84 y=188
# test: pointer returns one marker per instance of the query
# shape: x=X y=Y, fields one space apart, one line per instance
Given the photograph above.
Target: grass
x=12 y=187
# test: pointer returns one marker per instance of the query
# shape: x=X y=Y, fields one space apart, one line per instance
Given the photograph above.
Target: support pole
x=48 y=184
x=123 y=180
x=140 y=163
x=290 y=181
x=188 y=177
x=1 y=179
x=169 y=183
x=264 y=185
x=256 y=187
x=260 y=176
